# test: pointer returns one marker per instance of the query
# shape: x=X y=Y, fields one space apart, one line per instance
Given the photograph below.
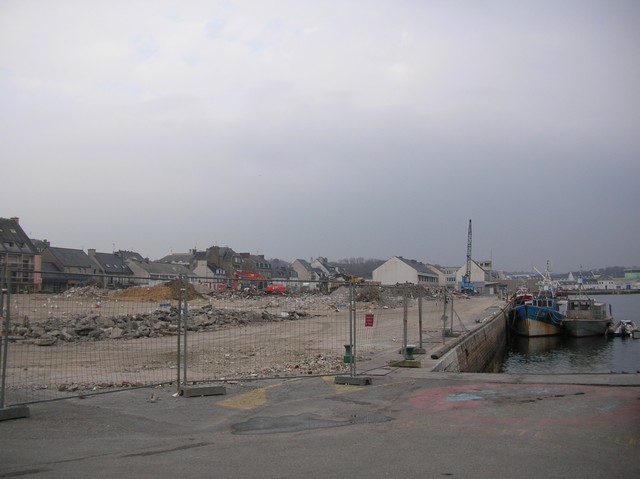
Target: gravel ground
x=259 y=335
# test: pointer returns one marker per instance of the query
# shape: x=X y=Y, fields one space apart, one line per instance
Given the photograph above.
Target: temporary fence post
x=352 y=378
x=407 y=349
x=186 y=325
x=14 y=412
x=420 y=317
x=405 y=310
x=352 y=308
x=178 y=354
x=451 y=322
x=184 y=390
x=420 y=349
x=444 y=317
x=5 y=337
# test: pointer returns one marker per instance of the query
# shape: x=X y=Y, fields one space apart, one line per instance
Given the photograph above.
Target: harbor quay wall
x=482 y=350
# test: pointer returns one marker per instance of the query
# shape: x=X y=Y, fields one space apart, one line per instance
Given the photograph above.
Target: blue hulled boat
x=537 y=315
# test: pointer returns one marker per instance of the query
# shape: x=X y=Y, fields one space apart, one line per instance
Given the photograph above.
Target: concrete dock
x=404 y=422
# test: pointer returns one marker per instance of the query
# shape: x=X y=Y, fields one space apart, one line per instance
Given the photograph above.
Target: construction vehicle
x=466 y=286
x=275 y=288
x=343 y=279
x=243 y=279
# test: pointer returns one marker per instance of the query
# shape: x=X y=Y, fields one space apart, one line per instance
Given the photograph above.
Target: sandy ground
x=313 y=344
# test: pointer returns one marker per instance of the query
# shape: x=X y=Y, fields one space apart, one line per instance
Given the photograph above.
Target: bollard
x=347 y=354
x=408 y=352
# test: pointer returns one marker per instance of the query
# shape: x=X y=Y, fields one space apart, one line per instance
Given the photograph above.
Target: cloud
x=335 y=129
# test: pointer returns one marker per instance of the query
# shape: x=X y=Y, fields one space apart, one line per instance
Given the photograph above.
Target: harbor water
x=566 y=355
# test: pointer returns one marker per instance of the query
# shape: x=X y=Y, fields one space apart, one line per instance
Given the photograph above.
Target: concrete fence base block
x=419 y=351
x=406 y=363
x=353 y=380
x=197 y=391
x=15 y=412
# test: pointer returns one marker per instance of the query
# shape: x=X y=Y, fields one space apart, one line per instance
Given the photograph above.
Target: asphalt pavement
x=409 y=422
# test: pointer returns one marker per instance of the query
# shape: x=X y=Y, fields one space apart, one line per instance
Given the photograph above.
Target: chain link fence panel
x=90 y=339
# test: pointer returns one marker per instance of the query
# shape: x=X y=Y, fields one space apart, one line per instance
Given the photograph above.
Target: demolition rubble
x=206 y=313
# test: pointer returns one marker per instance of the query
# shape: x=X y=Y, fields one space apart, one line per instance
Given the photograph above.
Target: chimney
x=91 y=252
x=16 y=219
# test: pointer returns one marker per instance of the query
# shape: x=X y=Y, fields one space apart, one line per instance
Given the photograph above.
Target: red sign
x=368 y=320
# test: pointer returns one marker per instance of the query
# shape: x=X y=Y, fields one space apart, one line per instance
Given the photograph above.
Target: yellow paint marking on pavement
x=258 y=397
x=250 y=399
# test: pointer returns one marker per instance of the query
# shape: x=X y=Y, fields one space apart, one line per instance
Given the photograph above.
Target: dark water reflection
x=558 y=354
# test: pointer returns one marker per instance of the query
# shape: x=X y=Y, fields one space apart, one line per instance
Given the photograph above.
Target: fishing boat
x=538 y=315
x=585 y=316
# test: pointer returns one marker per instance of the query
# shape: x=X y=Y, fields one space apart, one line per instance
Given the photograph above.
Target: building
x=329 y=270
x=632 y=274
x=446 y=275
x=210 y=276
x=480 y=273
x=64 y=268
x=400 y=270
x=178 y=258
x=224 y=258
x=110 y=270
x=256 y=263
x=308 y=276
x=152 y=273
x=20 y=260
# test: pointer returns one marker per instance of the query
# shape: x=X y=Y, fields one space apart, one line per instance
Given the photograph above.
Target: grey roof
x=305 y=264
x=112 y=263
x=177 y=258
x=13 y=239
x=418 y=266
x=167 y=269
x=226 y=252
x=200 y=255
x=49 y=268
x=71 y=257
x=130 y=255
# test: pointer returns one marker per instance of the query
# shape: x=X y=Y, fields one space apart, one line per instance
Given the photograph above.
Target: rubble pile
x=169 y=290
x=310 y=365
x=94 y=327
x=91 y=292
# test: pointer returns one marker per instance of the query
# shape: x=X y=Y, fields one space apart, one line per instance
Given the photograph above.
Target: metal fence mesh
x=88 y=339
x=82 y=341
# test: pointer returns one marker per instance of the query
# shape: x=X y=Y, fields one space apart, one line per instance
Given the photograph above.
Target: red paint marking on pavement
x=492 y=402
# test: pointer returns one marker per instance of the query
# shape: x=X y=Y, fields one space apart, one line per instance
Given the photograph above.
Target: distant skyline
x=298 y=129
x=331 y=259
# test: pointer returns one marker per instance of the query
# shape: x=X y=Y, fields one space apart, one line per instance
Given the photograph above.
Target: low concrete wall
x=481 y=349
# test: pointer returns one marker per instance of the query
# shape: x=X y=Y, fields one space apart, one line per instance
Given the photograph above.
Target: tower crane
x=466 y=285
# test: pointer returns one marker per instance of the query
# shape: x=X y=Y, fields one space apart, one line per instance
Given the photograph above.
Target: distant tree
x=360 y=267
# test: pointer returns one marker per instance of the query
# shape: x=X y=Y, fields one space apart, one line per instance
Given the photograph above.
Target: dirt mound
x=169 y=290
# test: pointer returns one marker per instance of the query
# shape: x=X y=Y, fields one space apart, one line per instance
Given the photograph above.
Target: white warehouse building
x=400 y=270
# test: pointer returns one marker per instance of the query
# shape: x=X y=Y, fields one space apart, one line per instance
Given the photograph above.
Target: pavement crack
x=25 y=472
x=164 y=451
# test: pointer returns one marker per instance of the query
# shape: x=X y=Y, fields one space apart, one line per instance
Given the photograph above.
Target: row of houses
x=38 y=266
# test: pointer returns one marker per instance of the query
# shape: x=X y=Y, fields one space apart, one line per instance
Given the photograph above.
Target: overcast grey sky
x=297 y=129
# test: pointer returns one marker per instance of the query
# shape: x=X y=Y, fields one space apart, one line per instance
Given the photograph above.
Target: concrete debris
x=95 y=386
x=90 y=292
x=93 y=327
